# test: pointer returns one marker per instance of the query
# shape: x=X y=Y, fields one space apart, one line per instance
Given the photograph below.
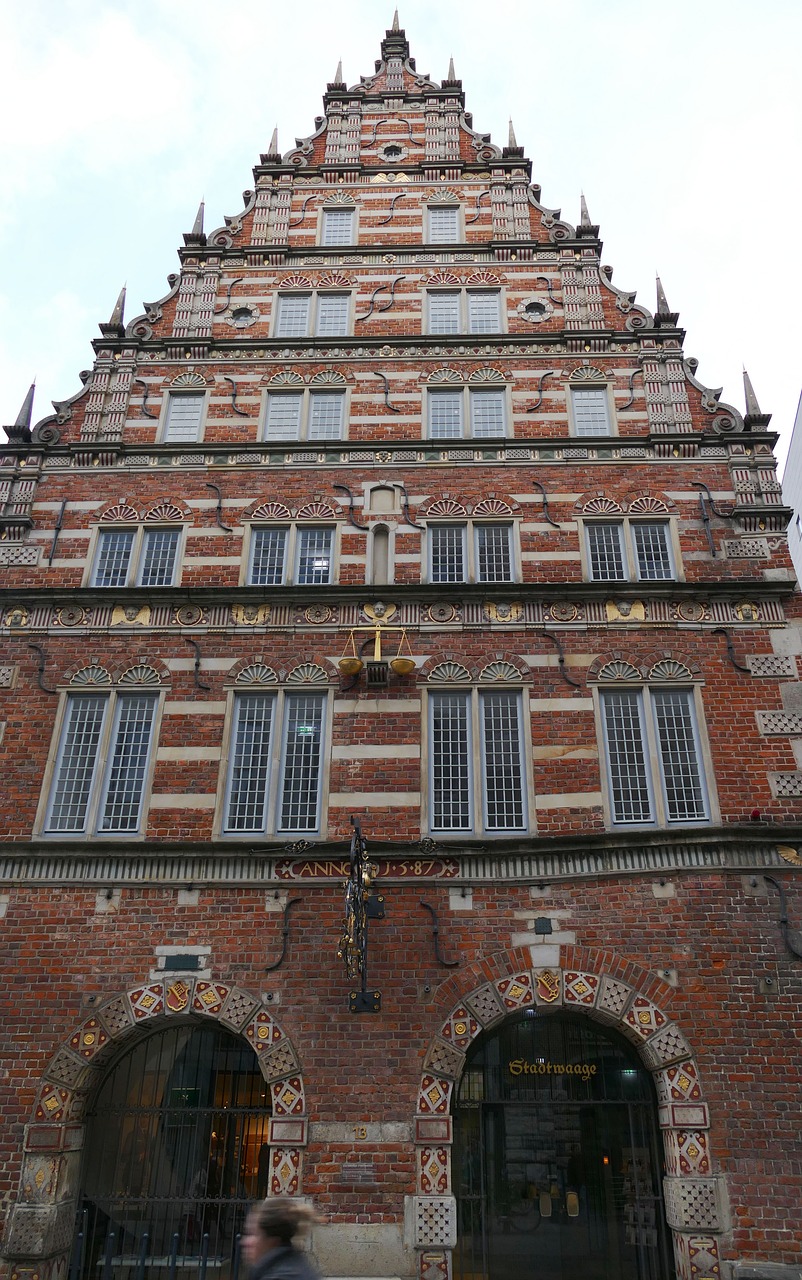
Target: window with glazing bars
x=591 y=411
x=268 y=557
x=653 y=757
x=332 y=315
x=146 y=557
x=338 y=226
x=485 y=557
x=457 y=796
x=452 y=311
x=184 y=414
x=101 y=764
x=292 y=320
x=621 y=551
x=255 y=753
x=314 y=556
x=487 y=414
x=272 y=548
x=323 y=420
x=444 y=224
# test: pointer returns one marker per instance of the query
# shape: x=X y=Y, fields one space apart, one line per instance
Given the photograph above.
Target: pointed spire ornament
x=451 y=72
x=273 y=150
x=395 y=27
x=664 y=316
x=587 y=229
x=338 y=74
x=753 y=417
x=20 y=433
x=116 y=324
x=196 y=236
x=512 y=148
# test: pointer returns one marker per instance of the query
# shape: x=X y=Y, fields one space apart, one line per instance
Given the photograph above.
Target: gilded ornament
x=625 y=611
x=548 y=986
x=564 y=611
x=691 y=611
x=507 y=612
x=130 y=615
x=189 y=615
x=251 y=615
x=16 y=616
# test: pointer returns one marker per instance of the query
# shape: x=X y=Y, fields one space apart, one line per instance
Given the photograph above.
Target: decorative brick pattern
x=7 y=677
x=644 y=1017
x=486 y=1004
x=117 y=1017
x=435 y=1219
x=285 y=1171
x=678 y=1084
x=780 y=723
x=692 y=1204
x=263 y=1032
x=786 y=785
x=288 y=1097
x=772 y=666
x=279 y=1062
x=612 y=999
x=746 y=549
x=517 y=992
x=668 y=1045
x=686 y=1153
x=580 y=988
x=442 y=1059
x=434 y=1096
x=460 y=1028
x=434 y=1171
x=239 y=1007
x=434 y=1264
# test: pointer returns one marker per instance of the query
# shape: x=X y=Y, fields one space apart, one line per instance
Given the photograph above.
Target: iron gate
x=176 y=1150
x=556 y=1157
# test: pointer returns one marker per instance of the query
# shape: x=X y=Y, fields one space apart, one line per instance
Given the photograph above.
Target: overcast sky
x=682 y=123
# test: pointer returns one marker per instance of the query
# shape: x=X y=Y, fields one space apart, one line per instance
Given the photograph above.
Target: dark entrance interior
x=176 y=1149
x=556 y=1167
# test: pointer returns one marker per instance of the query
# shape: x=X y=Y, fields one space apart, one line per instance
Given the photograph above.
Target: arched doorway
x=176 y=1148
x=557 y=1158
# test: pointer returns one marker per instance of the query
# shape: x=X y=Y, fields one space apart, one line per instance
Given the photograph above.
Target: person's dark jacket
x=284 y=1263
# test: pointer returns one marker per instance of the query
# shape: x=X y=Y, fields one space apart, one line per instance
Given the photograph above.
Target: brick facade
x=666 y=930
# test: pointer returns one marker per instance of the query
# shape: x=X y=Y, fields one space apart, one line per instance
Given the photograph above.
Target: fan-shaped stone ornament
x=165 y=511
x=449 y=673
x=91 y=675
x=307 y=673
x=257 y=673
x=619 y=669
x=670 y=669
x=140 y=674
x=647 y=505
x=497 y=671
x=121 y=511
x=271 y=511
x=601 y=507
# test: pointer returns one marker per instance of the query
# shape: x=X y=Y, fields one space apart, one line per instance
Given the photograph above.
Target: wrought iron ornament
x=360 y=906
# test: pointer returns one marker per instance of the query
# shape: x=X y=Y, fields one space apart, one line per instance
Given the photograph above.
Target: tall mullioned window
x=629 y=551
x=443 y=224
x=182 y=424
x=477 y=553
x=464 y=311
x=101 y=764
x=338 y=226
x=653 y=757
x=136 y=557
x=275 y=772
x=281 y=553
x=455 y=414
x=477 y=777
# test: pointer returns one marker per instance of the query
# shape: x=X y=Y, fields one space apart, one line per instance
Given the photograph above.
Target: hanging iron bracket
x=468 y=221
x=300 y=219
x=631 y=399
x=533 y=408
x=227 y=302
x=447 y=964
x=401 y=196
x=139 y=382
x=405 y=508
x=285 y=933
x=57 y=531
x=386 y=386
x=242 y=412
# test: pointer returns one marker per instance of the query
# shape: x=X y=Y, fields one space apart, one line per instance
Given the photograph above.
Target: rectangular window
x=502 y=761
x=314 y=556
x=606 y=551
x=447 y=548
x=444 y=224
x=293 y=315
x=85 y=795
x=183 y=422
x=252 y=755
x=502 y=780
x=113 y=557
x=450 y=752
x=268 y=557
x=487 y=414
x=484 y=311
x=338 y=226
x=444 y=312
x=636 y=773
x=591 y=411
x=118 y=550
x=159 y=554
x=332 y=315
x=445 y=415
x=283 y=421
x=493 y=553
x=652 y=550
x=326 y=411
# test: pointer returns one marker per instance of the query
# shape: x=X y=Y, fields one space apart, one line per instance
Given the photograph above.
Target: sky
x=680 y=121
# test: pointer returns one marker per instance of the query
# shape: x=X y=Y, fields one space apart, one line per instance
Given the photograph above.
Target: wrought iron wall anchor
x=285 y=933
x=351 y=517
x=227 y=302
x=705 y=499
x=391 y=299
x=243 y=413
x=41 y=669
x=533 y=408
x=207 y=688
x=631 y=400
x=138 y=382
x=468 y=221
x=546 y=513
x=386 y=386
x=447 y=964
x=791 y=937
x=57 y=531
x=219 y=513
x=405 y=509
x=370 y=309
x=575 y=684
x=401 y=196
x=720 y=631
x=547 y=283
x=300 y=219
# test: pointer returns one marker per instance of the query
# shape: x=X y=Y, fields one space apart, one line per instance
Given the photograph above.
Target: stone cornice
x=723 y=851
